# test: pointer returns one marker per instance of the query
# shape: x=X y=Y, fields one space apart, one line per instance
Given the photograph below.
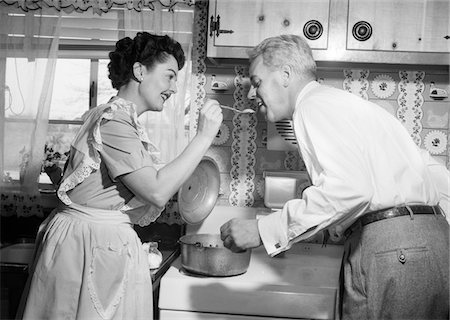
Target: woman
x=90 y=263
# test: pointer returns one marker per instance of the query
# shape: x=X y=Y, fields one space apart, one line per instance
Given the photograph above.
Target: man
x=370 y=184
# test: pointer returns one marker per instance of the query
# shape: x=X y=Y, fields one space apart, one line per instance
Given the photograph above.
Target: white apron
x=90 y=265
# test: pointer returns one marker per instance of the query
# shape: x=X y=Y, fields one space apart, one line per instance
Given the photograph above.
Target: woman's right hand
x=210 y=119
x=158 y=186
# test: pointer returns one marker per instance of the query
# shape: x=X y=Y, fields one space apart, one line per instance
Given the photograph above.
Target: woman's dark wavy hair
x=145 y=48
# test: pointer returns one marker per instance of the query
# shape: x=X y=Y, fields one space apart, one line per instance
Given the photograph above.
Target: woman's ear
x=137 y=71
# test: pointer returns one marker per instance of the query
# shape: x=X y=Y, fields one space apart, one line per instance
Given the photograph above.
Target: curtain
x=97 y=6
x=30 y=108
x=167 y=128
x=21 y=157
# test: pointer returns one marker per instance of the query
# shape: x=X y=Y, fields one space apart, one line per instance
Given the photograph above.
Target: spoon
x=238 y=111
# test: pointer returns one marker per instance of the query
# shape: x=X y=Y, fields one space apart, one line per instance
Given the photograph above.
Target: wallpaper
x=240 y=147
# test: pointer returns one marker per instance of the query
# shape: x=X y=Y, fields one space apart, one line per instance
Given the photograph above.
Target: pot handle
x=197 y=245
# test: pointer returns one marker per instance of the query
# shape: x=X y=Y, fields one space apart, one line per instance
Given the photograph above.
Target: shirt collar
x=306 y=89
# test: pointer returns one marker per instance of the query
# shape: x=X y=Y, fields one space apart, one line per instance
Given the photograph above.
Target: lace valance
x=98 y=6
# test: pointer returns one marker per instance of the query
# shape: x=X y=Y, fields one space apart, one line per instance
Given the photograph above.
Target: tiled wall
x=240 y=148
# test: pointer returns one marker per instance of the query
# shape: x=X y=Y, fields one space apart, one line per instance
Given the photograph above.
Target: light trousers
x=397 y=268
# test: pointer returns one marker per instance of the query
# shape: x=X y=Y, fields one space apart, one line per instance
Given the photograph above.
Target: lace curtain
x=98 y=6
x=167 y=128
x=20 y=195
x=36 y=55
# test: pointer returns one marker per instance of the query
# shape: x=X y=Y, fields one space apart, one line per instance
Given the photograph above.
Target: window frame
x=66 y=51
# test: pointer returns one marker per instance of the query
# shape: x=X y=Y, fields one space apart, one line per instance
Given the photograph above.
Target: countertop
x=168 y=257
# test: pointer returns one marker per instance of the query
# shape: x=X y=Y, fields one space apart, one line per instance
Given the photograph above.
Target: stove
x=299 y=283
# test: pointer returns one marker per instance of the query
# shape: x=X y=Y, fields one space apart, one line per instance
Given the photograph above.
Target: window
x=80 y=78
x=79 y=84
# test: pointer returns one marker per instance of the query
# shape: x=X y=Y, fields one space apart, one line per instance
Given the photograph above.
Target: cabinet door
x=399 y=25
x=254 y=20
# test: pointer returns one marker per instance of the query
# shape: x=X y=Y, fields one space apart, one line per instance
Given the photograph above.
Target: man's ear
x=286 y=74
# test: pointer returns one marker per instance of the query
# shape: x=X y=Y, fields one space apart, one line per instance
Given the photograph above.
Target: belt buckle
x=391 y=213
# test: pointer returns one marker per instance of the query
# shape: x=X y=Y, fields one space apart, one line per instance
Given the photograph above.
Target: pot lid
x=198 y=195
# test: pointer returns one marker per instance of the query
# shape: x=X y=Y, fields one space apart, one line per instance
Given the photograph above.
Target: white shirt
x=360 y=159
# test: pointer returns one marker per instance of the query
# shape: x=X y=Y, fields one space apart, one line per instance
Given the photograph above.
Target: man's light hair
x=289 y=50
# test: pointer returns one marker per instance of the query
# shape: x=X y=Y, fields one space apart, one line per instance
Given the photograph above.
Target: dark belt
x=397 y=212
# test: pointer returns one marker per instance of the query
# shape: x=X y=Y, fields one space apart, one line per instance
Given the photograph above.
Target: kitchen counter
x=168 y=257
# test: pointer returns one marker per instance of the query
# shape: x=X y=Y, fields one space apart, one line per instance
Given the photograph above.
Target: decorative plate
x=435 y=142
x=222 y=135
x=383 y=86
x=260 y=187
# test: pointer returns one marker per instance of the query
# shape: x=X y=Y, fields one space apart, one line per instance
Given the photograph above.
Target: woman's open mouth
x=165 y=96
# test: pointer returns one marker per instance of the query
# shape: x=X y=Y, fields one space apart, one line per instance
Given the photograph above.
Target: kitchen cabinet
x=361 y=31
x=398 y=25
x=244 y=23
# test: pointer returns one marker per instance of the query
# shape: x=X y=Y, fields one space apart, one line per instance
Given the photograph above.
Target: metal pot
x=205 y=254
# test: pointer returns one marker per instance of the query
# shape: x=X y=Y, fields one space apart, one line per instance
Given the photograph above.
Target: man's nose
x=251 y=93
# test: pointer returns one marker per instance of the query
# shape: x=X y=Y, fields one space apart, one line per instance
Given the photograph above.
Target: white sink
x=20 y=253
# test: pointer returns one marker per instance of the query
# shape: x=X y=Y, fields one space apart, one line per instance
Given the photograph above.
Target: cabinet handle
x=225 y=31
x=215 y=26
x=212 y=26
x=218 y=26
x=312 y=30
x=362 y=31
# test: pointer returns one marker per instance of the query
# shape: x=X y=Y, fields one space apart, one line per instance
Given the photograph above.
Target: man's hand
x=238 y=234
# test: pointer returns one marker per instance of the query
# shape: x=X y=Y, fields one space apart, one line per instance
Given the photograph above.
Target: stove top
x=300 y=283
